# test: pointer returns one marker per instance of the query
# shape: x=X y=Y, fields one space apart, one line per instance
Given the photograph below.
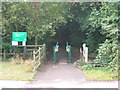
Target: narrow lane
x=65 y=75
x=61 y=72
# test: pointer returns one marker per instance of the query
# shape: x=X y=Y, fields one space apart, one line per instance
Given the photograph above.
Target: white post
x=86 y=54
x=84 y=46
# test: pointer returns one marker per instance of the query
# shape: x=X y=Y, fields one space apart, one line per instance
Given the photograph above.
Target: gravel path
x=65 y=75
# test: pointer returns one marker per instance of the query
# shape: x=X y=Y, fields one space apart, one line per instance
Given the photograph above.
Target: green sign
x=19 y=36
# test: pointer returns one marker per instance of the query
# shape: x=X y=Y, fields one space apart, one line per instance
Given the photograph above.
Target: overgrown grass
x=17 y=70
x=100 y=74
x=97 y=73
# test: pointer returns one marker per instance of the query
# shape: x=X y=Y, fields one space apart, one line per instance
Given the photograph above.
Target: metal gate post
x=69 y=55
x=54 y=54
x=55 y=49
x=68 y=49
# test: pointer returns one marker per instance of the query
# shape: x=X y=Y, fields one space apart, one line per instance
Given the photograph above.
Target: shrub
x=79 y=63
x=87 y=67
x=108 y=55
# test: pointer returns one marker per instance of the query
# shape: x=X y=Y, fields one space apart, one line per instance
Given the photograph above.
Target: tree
x=37 y=19
x=46 y=18
x=14 y=19
x=108 y=51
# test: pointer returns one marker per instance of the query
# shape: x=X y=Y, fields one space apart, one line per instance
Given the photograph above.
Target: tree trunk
x=4 y=55
x=36 y=40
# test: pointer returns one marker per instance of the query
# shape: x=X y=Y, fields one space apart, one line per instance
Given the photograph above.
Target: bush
x=108 y=55
x=87 y=67
x=79 y=63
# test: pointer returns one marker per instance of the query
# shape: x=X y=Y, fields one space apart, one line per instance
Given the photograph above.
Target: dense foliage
x=94 y=23
x=108 y=51
x=39 y=20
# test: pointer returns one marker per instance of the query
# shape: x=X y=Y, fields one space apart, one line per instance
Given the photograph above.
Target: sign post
x=14 y=53
x=19 y=37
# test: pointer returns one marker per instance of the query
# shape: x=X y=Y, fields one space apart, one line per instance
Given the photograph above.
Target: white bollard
x=86 y=54
x=84 y=46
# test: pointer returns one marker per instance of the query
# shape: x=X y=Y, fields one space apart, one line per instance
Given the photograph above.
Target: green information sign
x=19 y=36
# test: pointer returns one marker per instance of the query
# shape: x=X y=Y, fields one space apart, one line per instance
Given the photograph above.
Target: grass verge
x=100 y=74
x=97 y=73
x=16 y=71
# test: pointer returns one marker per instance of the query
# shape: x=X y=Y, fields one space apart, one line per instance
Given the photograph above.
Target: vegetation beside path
x=100 y=74
x=17 y=69
x=97 y=73
x=93 y=23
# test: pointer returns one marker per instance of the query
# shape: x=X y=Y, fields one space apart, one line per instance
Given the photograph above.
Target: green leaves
x=107 y=54
x=90 y=23
x=37 y=18
x=47 y=17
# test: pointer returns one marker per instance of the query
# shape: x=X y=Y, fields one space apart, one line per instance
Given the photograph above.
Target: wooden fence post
x=34 y=55
x=39 y=53
x=45 y=51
